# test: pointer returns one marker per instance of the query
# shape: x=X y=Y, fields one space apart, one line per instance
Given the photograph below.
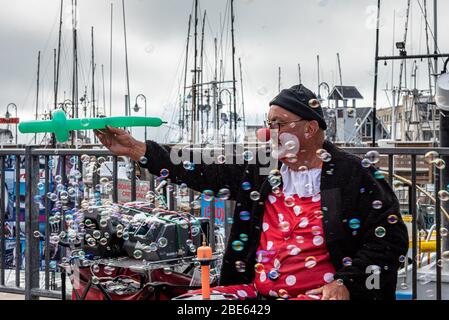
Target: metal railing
x=31 y=288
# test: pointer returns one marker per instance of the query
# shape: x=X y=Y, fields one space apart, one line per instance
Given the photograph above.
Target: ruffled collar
x=305 y=184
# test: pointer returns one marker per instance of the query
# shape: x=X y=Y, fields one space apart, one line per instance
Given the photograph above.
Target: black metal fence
x=28 y=282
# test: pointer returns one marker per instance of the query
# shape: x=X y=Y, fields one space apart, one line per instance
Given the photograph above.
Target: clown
x=320 y=222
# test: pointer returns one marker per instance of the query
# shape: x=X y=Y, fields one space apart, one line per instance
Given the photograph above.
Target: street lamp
x=137 y=109
x=8 y=115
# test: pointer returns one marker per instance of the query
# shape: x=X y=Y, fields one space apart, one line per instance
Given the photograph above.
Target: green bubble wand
x=61 y=126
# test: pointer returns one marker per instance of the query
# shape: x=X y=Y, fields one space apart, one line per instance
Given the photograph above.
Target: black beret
x=302 y=102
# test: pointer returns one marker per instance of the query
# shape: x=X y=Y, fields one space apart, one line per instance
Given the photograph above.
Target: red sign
x=9 y=120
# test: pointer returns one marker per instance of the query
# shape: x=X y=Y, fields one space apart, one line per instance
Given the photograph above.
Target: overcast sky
x=269 y=34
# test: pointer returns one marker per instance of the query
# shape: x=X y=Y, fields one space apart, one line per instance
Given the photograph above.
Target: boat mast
x=194 y=88
x=58 y=63
x=376 y=70
x=128 y=97
x=37 y=91
x=183 y=106
x=110 y=62
x=234 y=88
x=279 y=79
x=241 y=93
x=94 y=114
x=201 y=75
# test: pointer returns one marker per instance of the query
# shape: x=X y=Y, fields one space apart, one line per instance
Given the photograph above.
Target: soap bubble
x=138 y=254
x=240 y=266
x=347 y=262
x=248 y=155
x=443 y=195
x=392 y=219
x=354 y=223
x=324 y=155
x=377 y=204
x=153 y=247
x=245 y=215
x=244 y=237
x=41 y=186
x=397 y=184
x=431 y=156
x=310 y=262
x=246 y=186
x=37 y=234
x=196 y=205
x=208 y=195
x=85 y=159
x=162 y=242
x=366 y=163
x=443 y=232
x=164 y=173
x=380 y=232
x=373 y=157
x=37 y=199
x=221 y=159
x=143 y=160
x=91 y=242
x=291 y=145
x=51 y=163
x=378 y=175
x=275 y=181
x=289 y=201
x=189 y=165
x=237 y=245
x=259 y=268
x=58 y=179
x=439 y=164
x=255 y=196
x=224 y=194
x=273 y=274
x=283 y=294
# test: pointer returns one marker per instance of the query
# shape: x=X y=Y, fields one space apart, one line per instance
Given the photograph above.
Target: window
x=368 y=129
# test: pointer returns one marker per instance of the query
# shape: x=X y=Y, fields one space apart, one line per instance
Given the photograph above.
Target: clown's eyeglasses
x=273 y=125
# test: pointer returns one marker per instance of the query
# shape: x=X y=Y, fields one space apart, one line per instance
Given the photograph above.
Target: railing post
x=412 y=210
x=438 y=265
x=2 y=221
x=115 y=179
x=133 y=182
x=18 y=259
x=32 y=252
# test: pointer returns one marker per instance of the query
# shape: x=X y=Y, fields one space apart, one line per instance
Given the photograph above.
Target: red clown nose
x=263 y=135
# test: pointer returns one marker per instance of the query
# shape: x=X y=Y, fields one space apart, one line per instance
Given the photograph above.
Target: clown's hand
x=332 y=291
